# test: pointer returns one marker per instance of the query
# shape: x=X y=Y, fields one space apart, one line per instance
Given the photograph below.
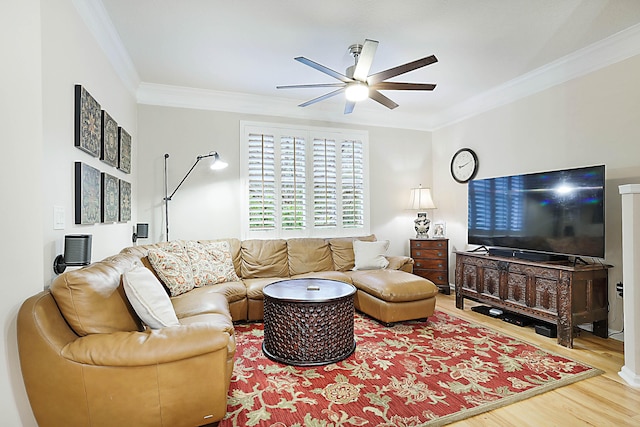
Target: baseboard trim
x=630 y=377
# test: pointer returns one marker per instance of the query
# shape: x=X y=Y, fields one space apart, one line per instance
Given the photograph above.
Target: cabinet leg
x=459 y=301
x=565 y=336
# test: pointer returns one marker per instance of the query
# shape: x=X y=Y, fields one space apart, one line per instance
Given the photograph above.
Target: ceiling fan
x=357 y=84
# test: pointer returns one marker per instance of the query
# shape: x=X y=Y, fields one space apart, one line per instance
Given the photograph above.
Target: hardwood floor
x=605 y=400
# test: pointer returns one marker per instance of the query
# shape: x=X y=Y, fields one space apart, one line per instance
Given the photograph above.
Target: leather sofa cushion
x=394 y=285
x=264 y=259
x=309 y=255
x=92 y=299
x=342 y=251
x=330 y=275
x=150 y=347
x=255 y=286
x=208 y=299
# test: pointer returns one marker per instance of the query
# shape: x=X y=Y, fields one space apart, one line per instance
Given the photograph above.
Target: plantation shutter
x=261 y=182
x=293 y=183
x=303 y=181
x=352 y=183
x=325 y=207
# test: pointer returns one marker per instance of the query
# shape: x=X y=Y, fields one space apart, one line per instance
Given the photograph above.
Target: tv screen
x=556 y=212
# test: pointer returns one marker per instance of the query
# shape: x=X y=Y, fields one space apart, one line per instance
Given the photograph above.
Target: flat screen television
x=557 y=212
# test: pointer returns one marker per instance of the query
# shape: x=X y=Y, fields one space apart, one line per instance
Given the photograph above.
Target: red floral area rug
x=412 y=374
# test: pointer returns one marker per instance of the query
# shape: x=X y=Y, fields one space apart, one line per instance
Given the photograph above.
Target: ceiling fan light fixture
x=356 y=92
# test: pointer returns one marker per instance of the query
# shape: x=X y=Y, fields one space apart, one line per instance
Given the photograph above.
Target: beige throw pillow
x=370 y=255
x=211 y=263
x=173 y=267
x=148 y=298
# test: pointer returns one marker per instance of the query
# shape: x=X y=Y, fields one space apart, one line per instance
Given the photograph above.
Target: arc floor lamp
x=216 y=164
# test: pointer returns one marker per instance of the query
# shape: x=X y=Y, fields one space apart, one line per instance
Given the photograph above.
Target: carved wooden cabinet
x=561 y=293
x=431 y=261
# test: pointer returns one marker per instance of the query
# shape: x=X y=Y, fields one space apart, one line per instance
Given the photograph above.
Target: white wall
x=588 y=121
x=208 y=203
x=21 y=178
x=71 y=55
x=46 y=49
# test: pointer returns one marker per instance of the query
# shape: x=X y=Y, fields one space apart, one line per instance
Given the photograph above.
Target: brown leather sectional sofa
x=87 y=359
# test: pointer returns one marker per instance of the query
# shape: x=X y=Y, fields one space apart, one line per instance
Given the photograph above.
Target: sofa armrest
x=146 y=348
x=399 y=262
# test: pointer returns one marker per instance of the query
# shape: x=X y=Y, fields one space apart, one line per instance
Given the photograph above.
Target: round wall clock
x=464 y=165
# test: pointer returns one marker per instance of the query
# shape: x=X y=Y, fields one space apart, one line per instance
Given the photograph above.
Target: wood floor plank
x=602 y=401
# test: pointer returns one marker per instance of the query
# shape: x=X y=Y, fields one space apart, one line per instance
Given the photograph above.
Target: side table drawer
x=429 y=253
x=428 y=244
x=439 y=278
x=435 y=264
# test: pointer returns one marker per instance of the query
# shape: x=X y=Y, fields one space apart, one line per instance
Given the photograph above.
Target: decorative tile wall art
x=110 y=198
x=109 y=138
x=124 y=151
x=87 y=194
x=88 y=122
x=125 y=201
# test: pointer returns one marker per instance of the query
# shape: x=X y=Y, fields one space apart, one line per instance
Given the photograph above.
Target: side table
x=308 y=321
x=431 y=257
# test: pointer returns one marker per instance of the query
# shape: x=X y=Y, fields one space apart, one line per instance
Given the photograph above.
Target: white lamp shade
x=420 y=199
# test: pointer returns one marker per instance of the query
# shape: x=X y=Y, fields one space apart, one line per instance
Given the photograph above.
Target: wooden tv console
x=555 y=292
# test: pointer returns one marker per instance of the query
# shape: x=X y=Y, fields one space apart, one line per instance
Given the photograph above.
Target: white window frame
x=309 y=133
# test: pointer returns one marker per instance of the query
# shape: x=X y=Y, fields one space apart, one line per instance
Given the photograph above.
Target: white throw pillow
x=148 y=298
x=370 y=255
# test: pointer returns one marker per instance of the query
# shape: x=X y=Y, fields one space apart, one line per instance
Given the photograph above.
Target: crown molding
x=96 y=18
x=185 y=97
x=613 y=49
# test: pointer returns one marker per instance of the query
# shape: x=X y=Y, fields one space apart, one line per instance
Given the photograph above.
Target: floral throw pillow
x=211 y=263
x=172 y=265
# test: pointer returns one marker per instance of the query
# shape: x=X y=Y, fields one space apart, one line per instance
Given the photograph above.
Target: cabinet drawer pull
x=418 y=245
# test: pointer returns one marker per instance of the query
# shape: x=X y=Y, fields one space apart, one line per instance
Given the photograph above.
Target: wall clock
x=464 y=165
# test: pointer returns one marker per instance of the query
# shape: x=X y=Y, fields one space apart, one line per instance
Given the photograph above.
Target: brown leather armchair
x=86 y=361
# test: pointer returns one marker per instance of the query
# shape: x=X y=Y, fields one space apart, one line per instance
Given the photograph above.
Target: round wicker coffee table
x=308 y=322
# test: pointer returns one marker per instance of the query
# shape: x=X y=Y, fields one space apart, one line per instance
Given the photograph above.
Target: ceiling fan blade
x=348 y=107
x=322 y=98
x=378 y=97
x=401 y=69
x=365 y=59
x=403 y=86
x=323 y=69
x=311 y=86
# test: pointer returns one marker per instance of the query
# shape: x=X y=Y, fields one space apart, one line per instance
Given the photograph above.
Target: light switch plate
x=58 y=218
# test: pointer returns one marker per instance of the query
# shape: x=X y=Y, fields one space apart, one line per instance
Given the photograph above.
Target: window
x=303 y=181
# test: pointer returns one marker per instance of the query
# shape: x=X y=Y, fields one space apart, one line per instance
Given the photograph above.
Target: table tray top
x=308 y=290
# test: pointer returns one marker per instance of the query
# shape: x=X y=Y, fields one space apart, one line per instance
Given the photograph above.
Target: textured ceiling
x=248 y=46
